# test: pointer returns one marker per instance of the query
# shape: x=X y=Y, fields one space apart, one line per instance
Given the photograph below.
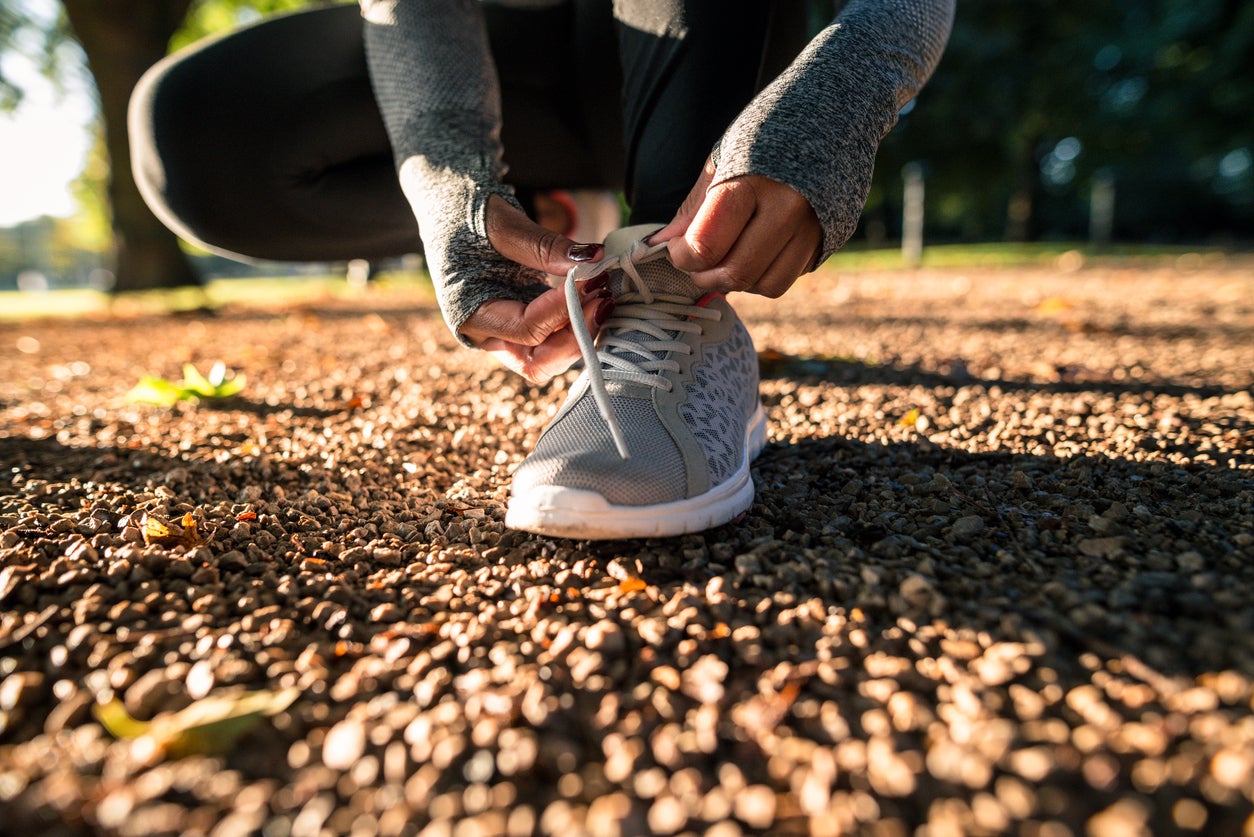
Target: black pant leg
x=689 y=67
x=267 y=143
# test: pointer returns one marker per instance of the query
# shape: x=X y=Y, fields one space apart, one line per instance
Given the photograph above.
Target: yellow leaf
x=910 y=419
x=191 y=535
x=117 y=721
x=1054 y=305
x=157 y=531
x=210 y=725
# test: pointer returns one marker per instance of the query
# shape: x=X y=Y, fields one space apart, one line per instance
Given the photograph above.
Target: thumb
x=519 y=239
x=688 y=209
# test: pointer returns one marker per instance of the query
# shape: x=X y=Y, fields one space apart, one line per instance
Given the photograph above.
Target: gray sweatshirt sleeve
x=817 y=127
x=438 y=92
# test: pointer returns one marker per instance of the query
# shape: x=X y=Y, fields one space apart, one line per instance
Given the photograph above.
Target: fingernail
x=595 y=284
x=583 y=252
x=603 y=312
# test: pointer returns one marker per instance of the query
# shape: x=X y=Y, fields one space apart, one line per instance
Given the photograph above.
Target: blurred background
x=1051 y=125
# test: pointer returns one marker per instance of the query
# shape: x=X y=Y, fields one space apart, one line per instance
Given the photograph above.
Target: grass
x=267 y=292
x=1003 y=254
x=218 y=293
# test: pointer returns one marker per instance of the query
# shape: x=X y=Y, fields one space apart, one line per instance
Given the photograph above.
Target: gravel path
x=999 y=578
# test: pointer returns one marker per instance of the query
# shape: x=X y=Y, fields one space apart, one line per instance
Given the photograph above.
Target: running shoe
x=660 y=427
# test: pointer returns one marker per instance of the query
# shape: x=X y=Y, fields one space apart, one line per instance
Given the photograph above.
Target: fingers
x=516 y=237
x=506 y=319
x=554 y=355
x=688 y=210
x=716 y=228
x=528 y=324
x=751 y=234
x=793 y=260
x=765 y=259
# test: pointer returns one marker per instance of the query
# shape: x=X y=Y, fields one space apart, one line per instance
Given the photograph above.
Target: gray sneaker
x=659 y=429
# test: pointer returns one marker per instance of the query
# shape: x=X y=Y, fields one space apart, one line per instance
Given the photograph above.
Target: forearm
x=437 y=89
x=817 y=127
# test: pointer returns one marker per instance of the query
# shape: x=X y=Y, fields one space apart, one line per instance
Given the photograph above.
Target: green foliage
x=210 y=17
x=92 y=222
x=51 y=246
x=41 y=40
x=194 y=386
x=1041 y=96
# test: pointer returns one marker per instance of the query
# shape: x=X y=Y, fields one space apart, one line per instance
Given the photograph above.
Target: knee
x=172 y=153
x=157 y=121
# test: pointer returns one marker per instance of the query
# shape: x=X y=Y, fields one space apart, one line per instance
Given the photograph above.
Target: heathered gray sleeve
x=817 y=127
x=437 y=89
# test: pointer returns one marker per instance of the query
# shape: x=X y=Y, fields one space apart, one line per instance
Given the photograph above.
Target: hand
x=750 y=233
x=534 y=339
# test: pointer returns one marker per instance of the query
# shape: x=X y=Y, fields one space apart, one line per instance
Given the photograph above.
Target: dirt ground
x=998 y=578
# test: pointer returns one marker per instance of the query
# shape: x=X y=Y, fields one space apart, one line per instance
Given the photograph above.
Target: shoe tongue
x=659 y=274
x=620 y=241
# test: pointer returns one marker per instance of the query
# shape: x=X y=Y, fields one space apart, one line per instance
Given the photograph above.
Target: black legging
x=267 y=143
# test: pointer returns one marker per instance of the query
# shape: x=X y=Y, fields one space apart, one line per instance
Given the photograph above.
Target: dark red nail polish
x=583 y=252
x=604 y=309
x=595 y=284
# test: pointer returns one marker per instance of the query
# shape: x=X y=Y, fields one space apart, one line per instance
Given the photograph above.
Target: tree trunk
x=122 y=39
x=1022 y=223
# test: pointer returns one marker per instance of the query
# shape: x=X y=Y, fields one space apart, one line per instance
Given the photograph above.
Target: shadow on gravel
x=935 y=621
x=1077 y=324
x=1099 y=550
x=51 y=461
x=264 y=410
x=803 y=370
x=1007 y=592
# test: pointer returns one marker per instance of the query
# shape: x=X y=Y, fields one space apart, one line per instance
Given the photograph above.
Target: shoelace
x=644 y=324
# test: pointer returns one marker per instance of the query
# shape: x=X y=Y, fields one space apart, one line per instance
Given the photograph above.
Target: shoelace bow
x=644 y=324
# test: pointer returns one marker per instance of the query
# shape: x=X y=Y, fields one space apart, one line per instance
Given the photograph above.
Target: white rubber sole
x=577 y=513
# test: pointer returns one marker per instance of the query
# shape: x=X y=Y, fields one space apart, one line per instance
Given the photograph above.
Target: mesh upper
x=577 y=451
x=662 y=278
x=721 y=398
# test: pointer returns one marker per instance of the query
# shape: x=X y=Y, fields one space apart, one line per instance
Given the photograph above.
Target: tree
x=120 y=40
x=1032 y=100
x=1013 y=83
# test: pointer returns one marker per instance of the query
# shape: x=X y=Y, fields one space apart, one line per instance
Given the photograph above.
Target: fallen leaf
x=196 y=382
x=208 y=726
x=191 y=533
x=114 y=718
x=1054 y=305
x=154 y=390
x=632 y=585
x=157 y=531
